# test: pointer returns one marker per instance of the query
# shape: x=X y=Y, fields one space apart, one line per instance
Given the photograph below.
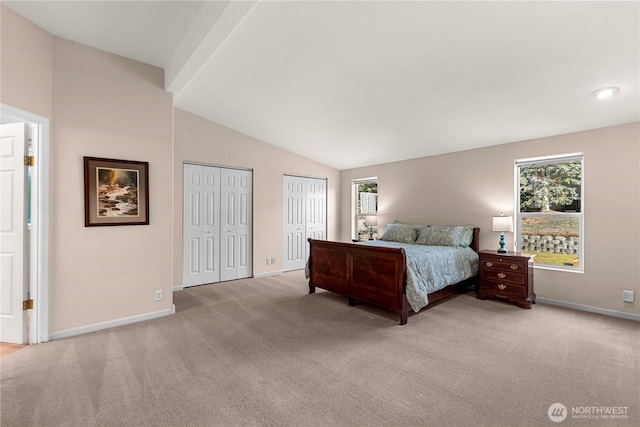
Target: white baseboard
x=178 y=288
x=606 y=312
x=268 y=274
x=111 y=324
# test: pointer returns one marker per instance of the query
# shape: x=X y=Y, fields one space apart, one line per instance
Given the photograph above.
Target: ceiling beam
x=208 y=32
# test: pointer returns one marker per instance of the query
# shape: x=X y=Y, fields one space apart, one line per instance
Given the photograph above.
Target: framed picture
x=116 y=192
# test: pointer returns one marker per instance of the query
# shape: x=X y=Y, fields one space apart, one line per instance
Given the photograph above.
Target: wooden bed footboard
x=371 y=274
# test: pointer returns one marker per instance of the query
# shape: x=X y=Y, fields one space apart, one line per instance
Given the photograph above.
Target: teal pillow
x=402 y=233
x=445 y=235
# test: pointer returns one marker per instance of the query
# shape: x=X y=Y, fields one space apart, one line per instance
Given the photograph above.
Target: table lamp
x=502 y=223
x=370 y=221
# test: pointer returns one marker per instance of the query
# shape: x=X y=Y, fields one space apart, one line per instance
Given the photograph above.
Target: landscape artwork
x=116 y=192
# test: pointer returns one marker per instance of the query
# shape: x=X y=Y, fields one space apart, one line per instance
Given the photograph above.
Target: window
x=550 y=217
x=365 y=208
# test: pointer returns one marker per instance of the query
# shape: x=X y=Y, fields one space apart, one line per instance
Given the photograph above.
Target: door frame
x=39 y=235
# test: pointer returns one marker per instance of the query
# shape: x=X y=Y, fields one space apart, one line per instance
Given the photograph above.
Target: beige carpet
x=262 y=352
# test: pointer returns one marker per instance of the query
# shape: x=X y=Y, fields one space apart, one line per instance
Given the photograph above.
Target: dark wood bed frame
x=371 y=274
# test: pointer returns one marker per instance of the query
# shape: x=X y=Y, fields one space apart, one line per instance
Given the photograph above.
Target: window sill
x=558 y=268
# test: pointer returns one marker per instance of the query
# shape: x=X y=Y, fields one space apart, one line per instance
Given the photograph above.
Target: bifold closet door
x=217 y=224
x=305 y=216
x=236 y=245
x=316 y=212
x=201 y=253
x=294 y=223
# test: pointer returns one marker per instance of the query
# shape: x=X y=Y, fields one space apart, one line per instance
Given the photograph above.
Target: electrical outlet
x=627 y=296
x=158 y=295
x=268 y=261
x=273 y=260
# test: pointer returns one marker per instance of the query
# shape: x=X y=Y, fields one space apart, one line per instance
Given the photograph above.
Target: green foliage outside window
x=542 y=186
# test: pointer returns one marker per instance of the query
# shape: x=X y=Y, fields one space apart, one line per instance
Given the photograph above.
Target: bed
x=389 y=274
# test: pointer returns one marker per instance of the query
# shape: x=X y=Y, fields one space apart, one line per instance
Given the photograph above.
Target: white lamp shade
x=503 y=223
x=370 y=220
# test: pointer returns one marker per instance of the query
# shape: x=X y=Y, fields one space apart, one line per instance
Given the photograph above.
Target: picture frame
x=116 y=192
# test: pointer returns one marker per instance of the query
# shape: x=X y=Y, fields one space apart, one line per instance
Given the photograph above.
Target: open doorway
x=35 y=196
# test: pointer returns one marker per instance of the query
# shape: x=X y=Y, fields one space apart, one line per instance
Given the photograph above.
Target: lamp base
x=502 y=249
x=371 y=233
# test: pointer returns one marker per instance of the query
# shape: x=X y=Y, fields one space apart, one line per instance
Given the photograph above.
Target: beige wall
x=470 y=187
x=26 y=66
x=200 y=141
x=107 y=106
x=100 y=105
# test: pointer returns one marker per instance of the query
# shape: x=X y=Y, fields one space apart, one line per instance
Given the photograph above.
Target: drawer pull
x=513 y=267
x=502 y=287
x=488 y=264
x=501 y=275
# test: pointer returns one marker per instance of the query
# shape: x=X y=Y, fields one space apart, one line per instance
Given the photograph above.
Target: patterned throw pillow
x=445 y=235
x=401 y=233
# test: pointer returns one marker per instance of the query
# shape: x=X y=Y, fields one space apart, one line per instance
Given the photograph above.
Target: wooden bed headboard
x=475 y=241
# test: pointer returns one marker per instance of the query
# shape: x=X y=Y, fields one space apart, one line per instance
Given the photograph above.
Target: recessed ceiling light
x=605 y=92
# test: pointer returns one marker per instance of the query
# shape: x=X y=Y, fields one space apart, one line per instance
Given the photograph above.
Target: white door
x=316 y=219
x=13 y=230
x=294 y=223
x=201 y=252
x=316 y=195
x=236 y=224
x=305 y=216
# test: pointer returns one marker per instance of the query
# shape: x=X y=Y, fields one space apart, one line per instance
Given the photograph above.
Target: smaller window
x=365 y=208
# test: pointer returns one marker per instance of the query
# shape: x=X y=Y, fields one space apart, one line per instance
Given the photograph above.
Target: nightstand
x=508 y=276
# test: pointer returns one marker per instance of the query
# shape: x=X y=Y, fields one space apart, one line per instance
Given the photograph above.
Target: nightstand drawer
x=505 y=264
x=503 y=275
x=503 y=288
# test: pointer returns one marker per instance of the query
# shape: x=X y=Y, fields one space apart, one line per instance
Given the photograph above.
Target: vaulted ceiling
x=356 y=83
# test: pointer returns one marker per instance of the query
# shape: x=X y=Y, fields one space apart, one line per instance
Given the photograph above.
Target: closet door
x=316 y=219
x=305 y=216
x=294 y=226
x=201 y=225
x=236 y=219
